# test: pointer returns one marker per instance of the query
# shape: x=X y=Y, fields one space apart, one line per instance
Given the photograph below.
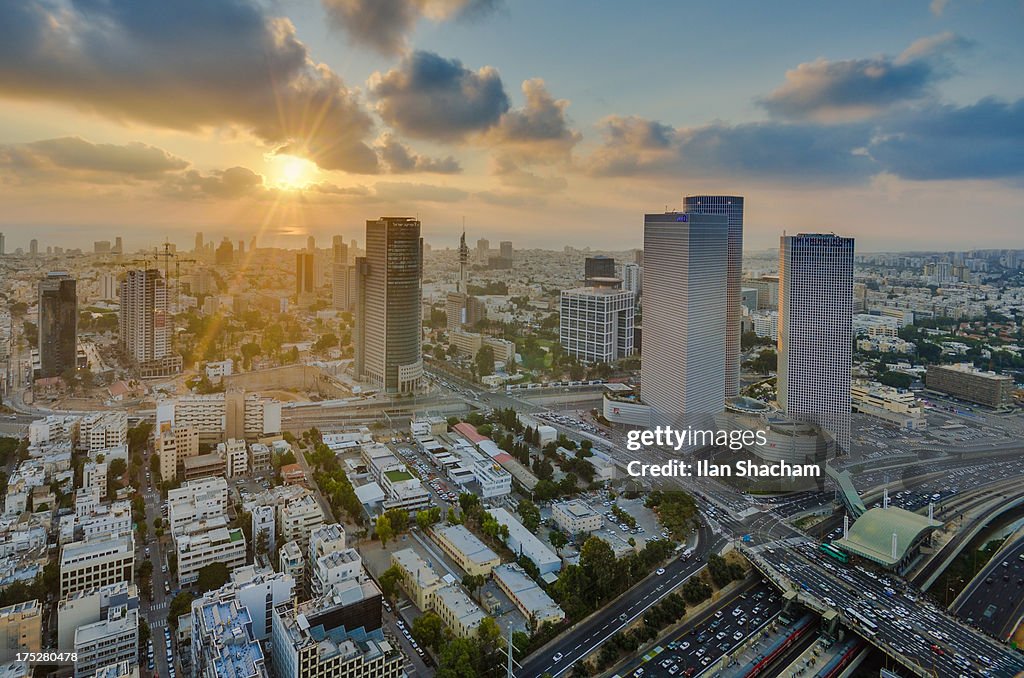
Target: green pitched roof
x=871 y=535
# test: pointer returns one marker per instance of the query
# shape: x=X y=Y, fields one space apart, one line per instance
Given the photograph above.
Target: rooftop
x=871 y=535
x=467 y=543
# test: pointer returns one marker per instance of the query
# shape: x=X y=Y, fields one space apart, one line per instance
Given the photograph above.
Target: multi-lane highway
x=994 y=600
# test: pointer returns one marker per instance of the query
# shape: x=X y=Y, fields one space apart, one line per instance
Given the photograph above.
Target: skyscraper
x=388 y=332
x=225 y=252
x=343 y=279
x=505 y=247
x=33 y=247
x=118 y=245
x=340 y=249
x=199 y=243
x=815 y=330
x=483 y=248
x=3 y=251
x=58 y=324
x=732 y=207
x=311 y=244
x=632 y=279
x=685 y=278
x=145 y=324
x=305 y=278
x=598 y=267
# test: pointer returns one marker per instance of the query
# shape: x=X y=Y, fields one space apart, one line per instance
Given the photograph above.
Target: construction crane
x=167 y=254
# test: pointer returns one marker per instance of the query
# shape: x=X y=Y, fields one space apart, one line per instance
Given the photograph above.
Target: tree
x=262 y=544
x=557 y=539
x=138 y=436
x=383 y=529
x=145 y=569
x=117 y=468
x=485 y=361
x=181 y=604
x=389 y=581
x=530 y=514
x=474 y=582
x=430 y=631
x=144 y=632
x=212 y=576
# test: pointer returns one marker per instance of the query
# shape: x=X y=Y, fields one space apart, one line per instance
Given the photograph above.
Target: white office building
x=86 y=565
x=816 y=331
x=597 y=323
x=685 y=316
x=109 y=641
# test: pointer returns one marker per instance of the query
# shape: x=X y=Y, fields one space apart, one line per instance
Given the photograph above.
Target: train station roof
x=872 y=534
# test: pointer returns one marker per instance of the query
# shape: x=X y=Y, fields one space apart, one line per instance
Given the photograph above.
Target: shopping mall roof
x=871 y=536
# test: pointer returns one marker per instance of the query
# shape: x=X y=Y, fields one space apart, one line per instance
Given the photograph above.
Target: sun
x=290 y=171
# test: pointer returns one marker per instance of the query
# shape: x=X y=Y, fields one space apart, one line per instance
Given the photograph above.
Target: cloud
x=430 y=97
x=400 y=159
x=938 y=7
x=838 y=91
x=229 y=184
x=76 y=159
x=982 y=141
x=511 y=174
x=635 y=146
x=189 y=65
x=539 y=127
x=384 y=24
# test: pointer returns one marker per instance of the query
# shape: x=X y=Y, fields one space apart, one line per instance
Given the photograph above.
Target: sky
x=545 y=123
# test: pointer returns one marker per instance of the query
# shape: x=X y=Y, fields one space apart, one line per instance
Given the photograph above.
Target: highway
x=912 y=630
x=702 y=641
x=994 y=599
x=587 y=636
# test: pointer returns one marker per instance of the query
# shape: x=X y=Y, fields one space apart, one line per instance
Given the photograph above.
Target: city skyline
x=324 y=116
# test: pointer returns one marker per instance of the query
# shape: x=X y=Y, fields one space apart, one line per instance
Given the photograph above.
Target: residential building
x=388 y=329
x=204 y=466
x=91 y=606
x=290 y=561
x=632 y=279
x=144 y=323
x=732 y=207
x=339 y=635
x=575 y=517
x=173 y=445
x=58 y=324
x=685 y=314
x=596 y=323
x=815 y=345
x=468 y=552
x=203 y=544
x=969 y=383
x=223 y=644
x=103 y=430
x=95 y=476
x=196 y=500
x=297 y=517
x=21 y=629
x=236 y=457
x=305 y=276
x=109 y=641
x=263 y=522
x=90 y=564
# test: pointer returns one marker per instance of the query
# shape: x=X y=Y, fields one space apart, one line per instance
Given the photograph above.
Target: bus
x=866 y=625
x=833 y=552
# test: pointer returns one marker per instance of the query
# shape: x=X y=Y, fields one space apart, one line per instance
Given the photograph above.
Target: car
x=720 y=635
x=661 y=570
x=623 y=617
x=737 y=635
x=558 y=657
x=684 y=645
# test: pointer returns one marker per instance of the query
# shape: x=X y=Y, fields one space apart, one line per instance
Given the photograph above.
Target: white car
x=661 y=570
x=557 y=657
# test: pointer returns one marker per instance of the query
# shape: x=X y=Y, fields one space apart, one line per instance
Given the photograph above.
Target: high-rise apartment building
x=388 y=341
x=145 y=324
x=815 y=328
x=3 y=245
x=505 y=248
x=483 y=248
x=33 y=247
x=343 y=277
x=632 y=279
x=305 y=276
x=225 y=253
x=685 y=278
x=732 y=207
x=58 y=324
x=199 y=243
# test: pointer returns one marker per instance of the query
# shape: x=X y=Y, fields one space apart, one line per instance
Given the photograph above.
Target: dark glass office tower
x=389 y=325
x=58 y=324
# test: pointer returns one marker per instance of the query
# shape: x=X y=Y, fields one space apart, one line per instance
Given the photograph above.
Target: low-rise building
x=457 y=610
x=235 y=456
x=291 y=562
x=90 y=564
x=574 y=517
x=21 y=629
x=88 y=607
x=112 y=640
x=522 y=542
x=419 y=580
x=969 y=383
x=204 y=466
x=198 y=547
x=526 y=595
x=468 y=552
x=202 y=499
x=888 y=404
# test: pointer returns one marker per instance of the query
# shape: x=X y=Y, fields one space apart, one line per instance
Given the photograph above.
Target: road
x=587 y=635
x=717 y=631
x=994 y=600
